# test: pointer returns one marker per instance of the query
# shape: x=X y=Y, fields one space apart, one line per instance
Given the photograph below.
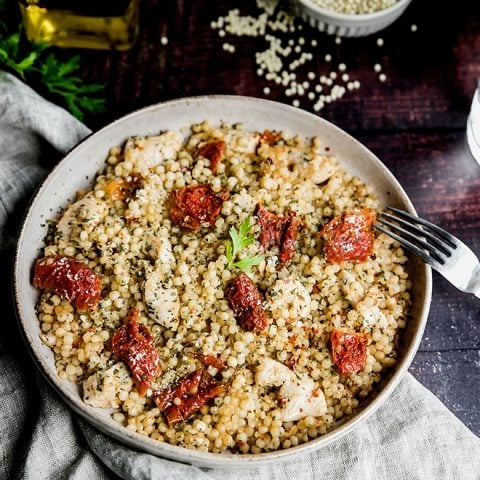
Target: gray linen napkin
x=412 y=436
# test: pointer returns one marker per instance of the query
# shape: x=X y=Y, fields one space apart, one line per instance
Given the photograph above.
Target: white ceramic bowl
x=76 y=172
x=346 y=25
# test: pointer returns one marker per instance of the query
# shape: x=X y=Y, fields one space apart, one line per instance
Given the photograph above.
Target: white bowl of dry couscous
x=201 y=281
x=350 y=18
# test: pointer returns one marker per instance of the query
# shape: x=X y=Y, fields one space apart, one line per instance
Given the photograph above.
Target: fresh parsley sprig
x=13 y=58
x=59 y=79
x=240 y=239
x=30 y=62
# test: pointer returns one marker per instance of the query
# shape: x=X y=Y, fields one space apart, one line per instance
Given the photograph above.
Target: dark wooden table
x=415 y=122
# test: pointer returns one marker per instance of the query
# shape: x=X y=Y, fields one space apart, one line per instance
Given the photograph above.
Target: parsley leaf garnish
x=247 y=263
x=239 y=239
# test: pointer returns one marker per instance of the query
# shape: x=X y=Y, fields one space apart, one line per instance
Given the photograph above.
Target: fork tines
x=428 y=241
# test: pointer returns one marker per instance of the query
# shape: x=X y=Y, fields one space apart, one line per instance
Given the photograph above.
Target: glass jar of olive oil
x=101 y=24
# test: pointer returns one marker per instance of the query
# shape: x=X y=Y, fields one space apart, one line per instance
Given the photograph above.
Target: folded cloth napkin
x=412 y=436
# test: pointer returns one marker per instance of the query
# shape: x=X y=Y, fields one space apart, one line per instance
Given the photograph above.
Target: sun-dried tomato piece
x=70 y=279
x=349 y=236
x=122 y=188
x=288 y=242
x=196 y=206
x=133 y=344
x=271 y=227
x=163 y=398
x=292 y=362
x=214 y=151
x=246 y=303
x=349 y=351
x=269 y=138
x=211 y=360
x=191 y=405
x=193 y=392
x=188 y=385
x=278 y=231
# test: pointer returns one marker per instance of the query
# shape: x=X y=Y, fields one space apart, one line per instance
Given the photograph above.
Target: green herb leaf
x=28 y=61
x=229 y=252
x=12 y=57
x=247 y=263
x=240 y=239
x=59 y=79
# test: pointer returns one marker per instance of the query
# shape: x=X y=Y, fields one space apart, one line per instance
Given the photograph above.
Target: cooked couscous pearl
x=246 y=417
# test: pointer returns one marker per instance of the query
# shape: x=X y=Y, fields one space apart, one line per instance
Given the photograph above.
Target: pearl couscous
x=275 y=386
x=355 y=7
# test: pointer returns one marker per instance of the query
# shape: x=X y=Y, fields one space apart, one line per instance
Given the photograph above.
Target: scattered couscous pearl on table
x=288 y=56
x=228 y=47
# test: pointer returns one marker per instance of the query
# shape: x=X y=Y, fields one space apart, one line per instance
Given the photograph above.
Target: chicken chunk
x=317 y=171
x=351 y=287
x=289 y=297
x=242 y=142
x=83 y=215
x=288 y=164
x=372 y=315
x=101 y=389
x=162 y=303
x=297 y=393
x=159 y=249
x=148 y=152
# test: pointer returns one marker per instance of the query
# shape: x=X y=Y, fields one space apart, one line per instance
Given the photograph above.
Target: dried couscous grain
x=176 y=278
x=355 y=7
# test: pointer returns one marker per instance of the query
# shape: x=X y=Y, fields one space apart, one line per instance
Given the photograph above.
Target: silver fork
x=441 y=250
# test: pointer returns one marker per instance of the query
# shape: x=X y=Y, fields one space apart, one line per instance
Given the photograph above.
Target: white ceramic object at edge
x=348 y=25
x=79 y=167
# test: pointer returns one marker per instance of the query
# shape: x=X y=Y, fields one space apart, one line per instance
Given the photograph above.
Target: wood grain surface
x=415 y=122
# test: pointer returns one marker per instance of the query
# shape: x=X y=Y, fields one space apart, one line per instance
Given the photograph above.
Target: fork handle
x=474 y=283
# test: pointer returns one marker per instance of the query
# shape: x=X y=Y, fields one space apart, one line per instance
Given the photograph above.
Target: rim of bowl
x=352 y=17
x=194 y=457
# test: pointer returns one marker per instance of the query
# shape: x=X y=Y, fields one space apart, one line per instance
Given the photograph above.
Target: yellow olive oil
x=100 y=24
